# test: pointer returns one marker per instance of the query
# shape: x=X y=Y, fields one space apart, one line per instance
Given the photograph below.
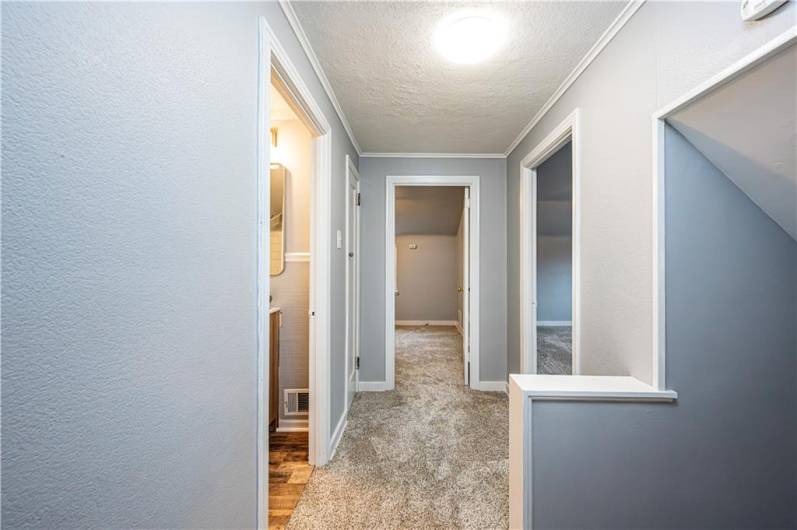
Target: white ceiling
x=400 y=96
x=748 y=129
x=428 y=209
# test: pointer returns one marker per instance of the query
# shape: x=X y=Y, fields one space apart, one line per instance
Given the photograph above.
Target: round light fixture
x=469 y=37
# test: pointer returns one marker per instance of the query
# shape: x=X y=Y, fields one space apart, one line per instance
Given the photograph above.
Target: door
x=466 y=286
x=352 y=282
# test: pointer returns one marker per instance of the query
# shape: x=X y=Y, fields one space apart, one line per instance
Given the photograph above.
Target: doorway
x=463 y=313
x=554 y=262
x=274 y=66
x=290 y=261
x=550 y=256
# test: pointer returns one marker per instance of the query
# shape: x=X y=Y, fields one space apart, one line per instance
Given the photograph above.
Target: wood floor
x=288 y=473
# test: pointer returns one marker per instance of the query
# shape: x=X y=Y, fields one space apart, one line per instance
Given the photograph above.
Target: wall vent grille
x=296 y=401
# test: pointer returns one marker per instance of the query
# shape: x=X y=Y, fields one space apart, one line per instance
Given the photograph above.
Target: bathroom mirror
x=277 y=219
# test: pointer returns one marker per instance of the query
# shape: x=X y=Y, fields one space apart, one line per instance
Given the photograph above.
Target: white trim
x=390 y=264
x=263 y=277
x=432 y=155
x=625 y=15
x=751 y=60
x=352 y=247
x=427 y=323
x=274 y=59
x=292 y=425
x=301 y=36
x=524 y=390
x=489 y=386
x=372 y=386
x=568 y=130
x=297 y=257
x=553 y=323
x=337 y=435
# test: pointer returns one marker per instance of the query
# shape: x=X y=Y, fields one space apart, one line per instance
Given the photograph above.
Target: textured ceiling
x=748 y=129
x=428 y=209
x=399 y=95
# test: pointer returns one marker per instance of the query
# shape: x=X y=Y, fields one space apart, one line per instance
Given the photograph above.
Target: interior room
x=383 y=265
x=430 y=269
x=554 y=263
x=289 y=398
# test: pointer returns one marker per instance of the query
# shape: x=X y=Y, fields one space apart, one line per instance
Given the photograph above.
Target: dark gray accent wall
x=373 y=172
x=555 y=236
x=725 y=454
x=129 y=242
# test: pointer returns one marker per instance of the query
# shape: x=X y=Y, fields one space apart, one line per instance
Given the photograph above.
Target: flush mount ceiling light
x=469 y=37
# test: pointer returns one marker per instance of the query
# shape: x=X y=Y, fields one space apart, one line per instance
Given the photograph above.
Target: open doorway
x=550 y=257
x=431 y=269
x=275 y=67
x=554 y=263
x=291 y=177
x=432 y=272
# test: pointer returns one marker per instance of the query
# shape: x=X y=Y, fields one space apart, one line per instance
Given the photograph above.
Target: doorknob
x=459 y=289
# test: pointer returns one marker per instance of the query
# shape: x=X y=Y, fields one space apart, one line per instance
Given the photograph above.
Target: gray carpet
x=554 y=350
x=430 y=454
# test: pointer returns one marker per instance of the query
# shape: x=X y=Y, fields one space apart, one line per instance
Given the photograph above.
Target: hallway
x=431 y=453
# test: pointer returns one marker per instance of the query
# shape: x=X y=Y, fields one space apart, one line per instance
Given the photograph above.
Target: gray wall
x=723 y=455
x=427 y=277
x=554 y=278
x=554 y=236
x=650 y=62
x=493 y=256
x=128 y=272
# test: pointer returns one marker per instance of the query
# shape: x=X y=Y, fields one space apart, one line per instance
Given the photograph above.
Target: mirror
x=277 y=219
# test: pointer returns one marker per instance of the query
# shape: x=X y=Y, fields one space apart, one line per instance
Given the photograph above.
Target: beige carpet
x=430 y=454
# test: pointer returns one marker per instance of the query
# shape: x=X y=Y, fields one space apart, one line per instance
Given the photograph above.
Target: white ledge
x=587 y=388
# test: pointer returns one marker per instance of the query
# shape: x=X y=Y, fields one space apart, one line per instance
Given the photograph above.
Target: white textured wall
x=129 y=255
x=664 y=50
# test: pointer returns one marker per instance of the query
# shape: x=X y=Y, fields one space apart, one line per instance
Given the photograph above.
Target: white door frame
x=352 y=348
x=568 y=130
x=390 y=268
x=751 y=60
x=466 y=229
x=274 y=60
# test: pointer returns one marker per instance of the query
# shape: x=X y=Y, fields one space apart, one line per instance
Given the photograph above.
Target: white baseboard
x=489 y=386
x=426 y=322
x=553 y=323
x=292 y=425
x=372 y=386
x=459 y=328
x=333 y=443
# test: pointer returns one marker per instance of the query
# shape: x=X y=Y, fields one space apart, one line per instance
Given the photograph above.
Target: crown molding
x=432 y=155
x=625 y=15
x=293 y=20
